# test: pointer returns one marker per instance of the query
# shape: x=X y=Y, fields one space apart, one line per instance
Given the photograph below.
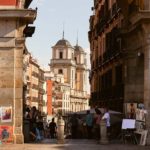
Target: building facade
x=119 y=40
x=106 y=78
x=35 y=84
x=15 y=18
x=70 y=62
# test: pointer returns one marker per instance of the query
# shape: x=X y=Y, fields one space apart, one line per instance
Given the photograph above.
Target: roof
x=78 y=48
x=63 y=42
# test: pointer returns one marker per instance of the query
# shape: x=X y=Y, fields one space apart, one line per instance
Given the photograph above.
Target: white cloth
x=107 y=117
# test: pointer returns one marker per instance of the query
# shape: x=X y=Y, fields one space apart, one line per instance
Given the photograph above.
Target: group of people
x=39 y=128
x=91 y=123
x=88 y=127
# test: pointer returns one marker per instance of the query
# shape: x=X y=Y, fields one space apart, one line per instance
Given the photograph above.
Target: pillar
x=13 y=21
x=60 y=132
x=103 y=132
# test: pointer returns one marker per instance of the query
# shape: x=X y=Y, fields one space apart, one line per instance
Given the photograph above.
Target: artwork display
x=6 y=114
x=6 y=134
x=128 y=124
x=141 y=113
x=130 y=110
x=140 y=126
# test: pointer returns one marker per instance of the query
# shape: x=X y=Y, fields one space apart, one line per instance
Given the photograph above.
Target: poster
x=140 y=126
x=141 y=115
x=6 y=134
x=6 y=114
x=130 y=110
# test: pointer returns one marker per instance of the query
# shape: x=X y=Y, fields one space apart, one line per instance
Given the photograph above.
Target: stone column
x=103 y=132
x=60 y=130
x=147 y=87
x=12 y=44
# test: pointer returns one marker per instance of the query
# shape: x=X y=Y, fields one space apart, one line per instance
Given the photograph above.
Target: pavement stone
x=72 y=145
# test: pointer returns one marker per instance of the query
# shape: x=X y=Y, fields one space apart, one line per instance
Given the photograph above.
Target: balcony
x=100 y=25
x=79 y=94
x=139 y=5
x=139 y=10
x=113 y=45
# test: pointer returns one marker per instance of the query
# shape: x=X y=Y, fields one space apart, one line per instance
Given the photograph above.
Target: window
x=60 y=71
x=60 y=55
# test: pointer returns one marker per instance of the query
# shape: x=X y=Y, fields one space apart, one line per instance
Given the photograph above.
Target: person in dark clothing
x=33 y=122
x=40 y=127
x=53 y=128
x=74 y=126
x=89 y=124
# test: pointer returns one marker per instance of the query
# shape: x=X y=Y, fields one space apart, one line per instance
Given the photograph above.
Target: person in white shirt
x=106 y=117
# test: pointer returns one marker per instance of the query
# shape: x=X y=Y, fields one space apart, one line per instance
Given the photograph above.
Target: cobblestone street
x=73 y=145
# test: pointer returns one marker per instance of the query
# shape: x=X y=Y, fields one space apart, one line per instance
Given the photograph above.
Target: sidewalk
x=72 y=145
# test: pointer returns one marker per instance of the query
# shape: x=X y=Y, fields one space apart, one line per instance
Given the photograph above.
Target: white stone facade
x=71 y=62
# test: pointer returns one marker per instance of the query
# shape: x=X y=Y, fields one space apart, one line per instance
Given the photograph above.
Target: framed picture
x=140 y=126
x=130 y=110
x=6 y=114
x=141 y=113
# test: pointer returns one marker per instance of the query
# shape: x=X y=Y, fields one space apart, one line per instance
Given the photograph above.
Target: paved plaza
x=72 y=145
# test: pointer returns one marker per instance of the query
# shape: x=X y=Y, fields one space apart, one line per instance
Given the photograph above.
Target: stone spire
x=77 y=39
x=63 y=32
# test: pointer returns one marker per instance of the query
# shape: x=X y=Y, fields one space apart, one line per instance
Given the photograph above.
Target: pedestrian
x=106 y=117
x=40 y=127
x=53 y=129
x=97 y=120
x=74 y=126
x=89 y=124
x=33 y=122
x=80 y=127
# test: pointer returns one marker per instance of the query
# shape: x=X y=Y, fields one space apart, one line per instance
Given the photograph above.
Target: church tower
x=63 y=61
x=71 y=62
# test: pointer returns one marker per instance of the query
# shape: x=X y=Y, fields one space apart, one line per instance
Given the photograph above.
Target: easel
x=128 y=128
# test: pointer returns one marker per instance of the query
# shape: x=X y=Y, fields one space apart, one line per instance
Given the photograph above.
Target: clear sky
x=52 y=14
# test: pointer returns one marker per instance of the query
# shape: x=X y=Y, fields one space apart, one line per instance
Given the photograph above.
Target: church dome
x=78 y=48
x=63 y=42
